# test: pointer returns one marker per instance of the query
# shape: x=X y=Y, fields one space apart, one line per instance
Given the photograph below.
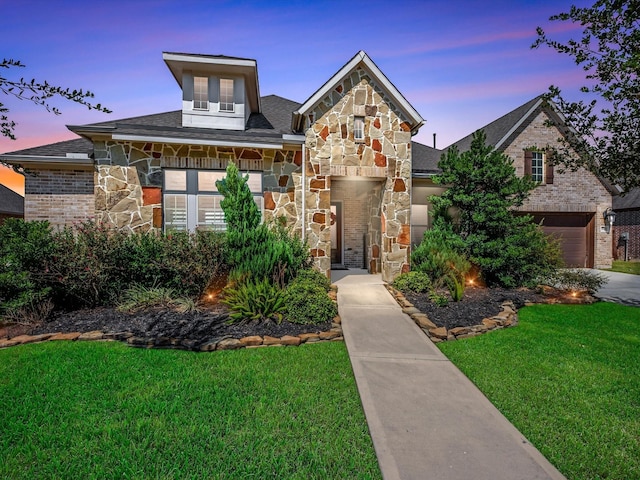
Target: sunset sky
x=461 y=64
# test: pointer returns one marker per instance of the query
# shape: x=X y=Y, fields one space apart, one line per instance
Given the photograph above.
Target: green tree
x=38 y=93
x=604 y=130
x=480 y=205
x=240 y=210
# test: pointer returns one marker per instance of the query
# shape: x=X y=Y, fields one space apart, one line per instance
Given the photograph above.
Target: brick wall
x=627 y=221
x=579 y=192
x=354 y=196
x=61 y=196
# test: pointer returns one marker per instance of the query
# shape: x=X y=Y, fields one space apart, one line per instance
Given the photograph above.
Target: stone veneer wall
x=578 y=192
x=61 y=196
x=129 y=178
x=385 y=153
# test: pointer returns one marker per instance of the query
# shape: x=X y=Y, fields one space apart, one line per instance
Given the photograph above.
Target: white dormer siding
x=211 y=115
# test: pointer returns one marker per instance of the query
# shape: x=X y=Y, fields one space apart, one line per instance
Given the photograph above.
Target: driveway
x=622 y=288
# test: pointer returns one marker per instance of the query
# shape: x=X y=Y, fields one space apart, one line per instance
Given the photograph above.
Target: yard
x=104 y=410
x=567 y=377
x=626 y=267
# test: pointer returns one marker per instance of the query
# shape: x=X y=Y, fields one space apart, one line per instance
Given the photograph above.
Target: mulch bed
x=477 y=304
x=213 y=322
x=161 y=322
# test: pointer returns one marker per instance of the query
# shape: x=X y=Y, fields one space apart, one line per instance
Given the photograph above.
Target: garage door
x=575 y=232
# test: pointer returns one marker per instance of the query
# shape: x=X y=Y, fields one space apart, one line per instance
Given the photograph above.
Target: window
x=226 y=95
x=358 y=129
x=192 y=200
x=537 y=166
x=201 y=93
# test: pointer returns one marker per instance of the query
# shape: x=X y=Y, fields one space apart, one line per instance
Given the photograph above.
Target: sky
x=461 y=64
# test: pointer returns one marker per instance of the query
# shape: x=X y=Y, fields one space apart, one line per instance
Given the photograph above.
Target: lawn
x=626 y=267
x=568 y=378
x=105 y=410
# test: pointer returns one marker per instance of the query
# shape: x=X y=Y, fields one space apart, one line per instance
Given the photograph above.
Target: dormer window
x=226 y=95
x=200 y=93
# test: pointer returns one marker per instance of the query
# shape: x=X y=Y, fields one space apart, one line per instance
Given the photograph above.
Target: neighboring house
x=341 y=167
x=569 y=205
x=11 y=204
x=627 y=222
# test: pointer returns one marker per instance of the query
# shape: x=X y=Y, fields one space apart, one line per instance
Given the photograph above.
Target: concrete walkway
x=427 y=420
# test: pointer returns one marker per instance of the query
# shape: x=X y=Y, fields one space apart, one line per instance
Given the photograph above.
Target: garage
x=576 y=234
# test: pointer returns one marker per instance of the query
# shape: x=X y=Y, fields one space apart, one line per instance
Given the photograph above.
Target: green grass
x=625 y=267
x=104 y=410
x=568 y=377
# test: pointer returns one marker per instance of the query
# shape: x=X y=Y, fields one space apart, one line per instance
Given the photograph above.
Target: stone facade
x=570 y=192
x=384 y=154
x=128 y=187
x=61 y=196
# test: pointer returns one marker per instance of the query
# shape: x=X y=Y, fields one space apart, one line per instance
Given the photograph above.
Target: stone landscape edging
x=224 y=343
x=507 y=317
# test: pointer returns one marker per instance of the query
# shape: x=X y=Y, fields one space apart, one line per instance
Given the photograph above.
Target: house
x=568 y=205
x=341 y=166
x=11 y=204
x=626 y=229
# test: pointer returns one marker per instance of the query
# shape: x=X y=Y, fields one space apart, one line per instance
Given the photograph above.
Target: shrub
x=315 y=277
x=266 y=253
x=440 y=256
x=575 y=280
x=307 y=301
x=25 y=248
x=438 y=299
x=139 y=297
x=92 y=264
x=415 y=281
x=255 y=300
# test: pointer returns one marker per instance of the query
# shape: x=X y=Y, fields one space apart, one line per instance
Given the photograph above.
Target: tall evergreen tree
x=240 y=210
x=481 y=202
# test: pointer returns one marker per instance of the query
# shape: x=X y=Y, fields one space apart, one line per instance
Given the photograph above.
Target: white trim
x=167 y=56
x=378 y=76
x=293 y=138
x=45 y=159
x=518 y=123
x=191 y=141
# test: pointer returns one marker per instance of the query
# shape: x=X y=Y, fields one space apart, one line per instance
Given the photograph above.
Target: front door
x=336 y=233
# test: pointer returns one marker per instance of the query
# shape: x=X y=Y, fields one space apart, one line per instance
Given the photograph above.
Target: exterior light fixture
x=609 y=217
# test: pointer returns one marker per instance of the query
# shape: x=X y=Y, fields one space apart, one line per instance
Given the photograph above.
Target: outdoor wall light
x=609 y=217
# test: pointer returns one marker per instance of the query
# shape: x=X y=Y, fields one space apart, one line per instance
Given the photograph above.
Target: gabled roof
x=501 y=130
x=11 y=202
x=361 y=59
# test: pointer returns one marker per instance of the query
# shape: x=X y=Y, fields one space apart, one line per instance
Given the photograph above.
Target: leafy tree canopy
x=604 y=130
x=38 y=93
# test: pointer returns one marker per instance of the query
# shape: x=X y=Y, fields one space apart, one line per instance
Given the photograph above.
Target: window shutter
x=548 y=167
x=527 y=162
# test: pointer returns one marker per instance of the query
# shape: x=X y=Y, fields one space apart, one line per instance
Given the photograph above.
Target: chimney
x=434 y=140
